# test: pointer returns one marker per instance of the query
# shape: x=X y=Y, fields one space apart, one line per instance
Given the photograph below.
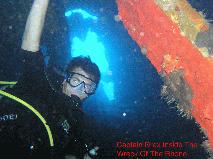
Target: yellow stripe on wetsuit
x=33 y=110
x=7 y=82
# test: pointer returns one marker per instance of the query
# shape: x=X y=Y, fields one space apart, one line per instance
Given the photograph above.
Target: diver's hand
x=34 y=26
x=92 y=152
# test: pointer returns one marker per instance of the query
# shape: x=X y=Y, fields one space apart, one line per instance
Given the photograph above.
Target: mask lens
x=90 y=89
x=75 y=81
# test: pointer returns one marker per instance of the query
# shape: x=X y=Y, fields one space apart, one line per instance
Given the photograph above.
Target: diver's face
x=79 y=83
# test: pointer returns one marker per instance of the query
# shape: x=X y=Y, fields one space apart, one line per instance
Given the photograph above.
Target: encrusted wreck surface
x=177 y=40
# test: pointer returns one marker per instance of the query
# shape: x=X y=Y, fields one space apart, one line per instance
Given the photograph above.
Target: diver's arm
x=34 y=26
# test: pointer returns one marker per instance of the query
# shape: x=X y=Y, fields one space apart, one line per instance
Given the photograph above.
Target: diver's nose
x=82 y=87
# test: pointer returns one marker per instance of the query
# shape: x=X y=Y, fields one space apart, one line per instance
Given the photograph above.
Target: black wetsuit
x=23 y=133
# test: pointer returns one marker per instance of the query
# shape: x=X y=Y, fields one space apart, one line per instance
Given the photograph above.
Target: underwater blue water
x=128 y=98
x=137 y=111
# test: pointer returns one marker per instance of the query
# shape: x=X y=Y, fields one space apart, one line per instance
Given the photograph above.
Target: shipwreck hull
x=177 y=41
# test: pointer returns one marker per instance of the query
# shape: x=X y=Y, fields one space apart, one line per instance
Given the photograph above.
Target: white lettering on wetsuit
x=7 y=117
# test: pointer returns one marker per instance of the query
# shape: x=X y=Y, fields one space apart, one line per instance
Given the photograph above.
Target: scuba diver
x=35 y=119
